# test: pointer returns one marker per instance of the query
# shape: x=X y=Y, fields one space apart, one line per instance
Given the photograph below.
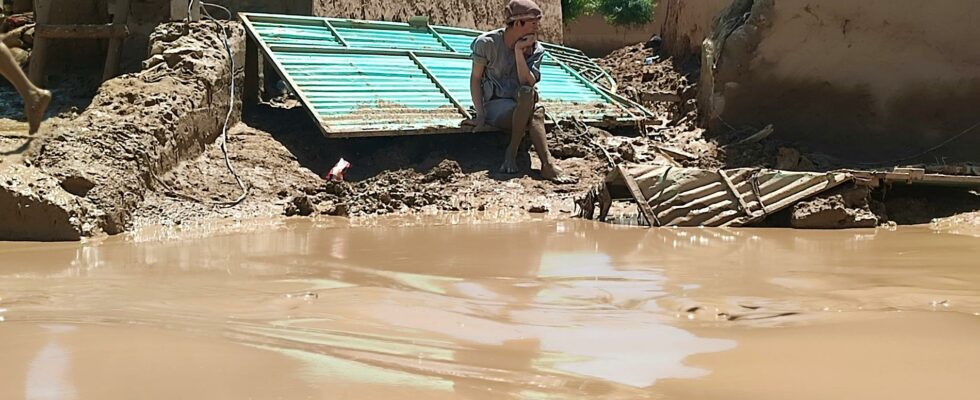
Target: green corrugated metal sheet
x=369 y=78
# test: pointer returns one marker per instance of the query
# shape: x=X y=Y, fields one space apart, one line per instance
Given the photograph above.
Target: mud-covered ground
x=282 y=158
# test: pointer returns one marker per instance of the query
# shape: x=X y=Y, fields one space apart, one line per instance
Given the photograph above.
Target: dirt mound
x=647 y=79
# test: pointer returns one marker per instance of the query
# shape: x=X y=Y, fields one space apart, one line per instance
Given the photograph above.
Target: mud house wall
x=475 y=14
x=597 y=38
x=871 y=79
x=684 y=24
x=65 y=55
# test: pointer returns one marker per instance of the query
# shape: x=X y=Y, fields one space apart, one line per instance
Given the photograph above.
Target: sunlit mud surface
x=534 y=310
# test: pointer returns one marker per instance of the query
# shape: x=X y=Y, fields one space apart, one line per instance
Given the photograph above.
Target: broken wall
x=870 y=80
x=684 y=24
x=474 y=14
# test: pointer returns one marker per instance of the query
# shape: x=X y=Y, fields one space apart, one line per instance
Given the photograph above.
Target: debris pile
x=670 y=91
x=17 y=32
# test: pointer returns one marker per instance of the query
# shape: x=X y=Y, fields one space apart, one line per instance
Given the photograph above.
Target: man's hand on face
x=525 y=43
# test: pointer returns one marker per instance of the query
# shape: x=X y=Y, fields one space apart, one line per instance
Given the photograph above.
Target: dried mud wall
x=870 y=80
x=474 y=14
x=87 y=176
x=597 y=38
x=684 y=24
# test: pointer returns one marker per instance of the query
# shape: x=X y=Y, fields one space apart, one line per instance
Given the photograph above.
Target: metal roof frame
x=298 y=41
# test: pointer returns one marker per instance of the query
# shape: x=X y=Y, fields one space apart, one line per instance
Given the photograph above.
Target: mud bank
x=872 y=81
x=87 y=176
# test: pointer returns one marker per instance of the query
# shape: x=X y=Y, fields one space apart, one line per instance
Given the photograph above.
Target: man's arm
x=523 y=71
x=476 y=92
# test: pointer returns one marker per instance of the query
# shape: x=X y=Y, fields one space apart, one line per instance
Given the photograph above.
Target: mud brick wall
x=87 y=176
x=474 y=14
x=870 y=81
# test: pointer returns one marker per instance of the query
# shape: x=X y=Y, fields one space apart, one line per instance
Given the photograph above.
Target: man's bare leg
x=549 y=169
x=35 y=99
x=518 y=128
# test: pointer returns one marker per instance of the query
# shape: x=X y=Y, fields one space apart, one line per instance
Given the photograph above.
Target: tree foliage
x=572 y=9
x=616 y=12
x=626 y=12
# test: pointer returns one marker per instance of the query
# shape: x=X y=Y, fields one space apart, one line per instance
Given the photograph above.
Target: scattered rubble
x=845 y=207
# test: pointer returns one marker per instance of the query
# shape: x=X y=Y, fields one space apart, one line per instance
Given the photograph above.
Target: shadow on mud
x=370 y=156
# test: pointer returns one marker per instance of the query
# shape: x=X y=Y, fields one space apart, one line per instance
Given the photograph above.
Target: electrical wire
x=231 y=107
x=231 y=103
x=925 y=152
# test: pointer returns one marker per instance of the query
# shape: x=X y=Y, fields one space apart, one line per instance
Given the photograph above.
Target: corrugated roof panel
x=390 y=37
x=459 y=39
x=366 y=78
x=369 y=92
x=696 y=197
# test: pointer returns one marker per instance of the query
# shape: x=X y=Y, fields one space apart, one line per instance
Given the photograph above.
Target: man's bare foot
x=34 y=107
x=555 y=174
x=509 y=166
x=551 y=172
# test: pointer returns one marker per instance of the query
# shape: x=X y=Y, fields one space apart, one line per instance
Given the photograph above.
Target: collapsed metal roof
x=370 y=78
x=675 y=196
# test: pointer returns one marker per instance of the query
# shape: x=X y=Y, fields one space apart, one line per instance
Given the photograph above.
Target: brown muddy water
x=541 y=310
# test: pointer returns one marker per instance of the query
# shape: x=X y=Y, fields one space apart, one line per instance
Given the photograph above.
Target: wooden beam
x=120 y=17
x=39 y=53
x=109 y=31
x=641 y=201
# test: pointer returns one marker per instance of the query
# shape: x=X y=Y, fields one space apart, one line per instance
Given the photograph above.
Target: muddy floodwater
x=538 y=310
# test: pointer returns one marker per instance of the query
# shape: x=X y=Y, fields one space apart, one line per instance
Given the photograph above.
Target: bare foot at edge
x=509 y=166
x=555 y=174
x=34 y=108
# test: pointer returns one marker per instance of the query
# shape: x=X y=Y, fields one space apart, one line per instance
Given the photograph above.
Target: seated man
x=35 y=99
x=506 y=67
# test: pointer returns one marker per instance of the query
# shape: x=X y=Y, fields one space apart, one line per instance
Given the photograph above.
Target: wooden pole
x=120 y=17
x=39 y=54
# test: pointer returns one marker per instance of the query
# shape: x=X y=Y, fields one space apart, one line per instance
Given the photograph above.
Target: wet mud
x=457 y=308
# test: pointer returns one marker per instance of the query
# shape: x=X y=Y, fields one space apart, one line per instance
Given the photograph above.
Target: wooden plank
x=627 y=101
x=106 y=31
x=119 y=20
x=459 y=106
x=731 y=188
x=641 y=201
